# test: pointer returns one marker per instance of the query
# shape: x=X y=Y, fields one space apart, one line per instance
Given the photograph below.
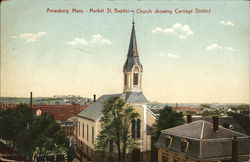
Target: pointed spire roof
x=132 y=50
x=132 y=57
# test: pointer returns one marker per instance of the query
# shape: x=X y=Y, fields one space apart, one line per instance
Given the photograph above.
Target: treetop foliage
x=32 y=135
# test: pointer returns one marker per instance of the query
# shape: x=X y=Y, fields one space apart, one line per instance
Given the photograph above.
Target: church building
x=89 y=119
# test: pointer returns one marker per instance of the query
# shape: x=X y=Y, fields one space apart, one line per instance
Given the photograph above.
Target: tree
x=190 y=113
x=32 y=135
x=48 y=137
x=241 y=116
x=167 y=119
x=115 y=124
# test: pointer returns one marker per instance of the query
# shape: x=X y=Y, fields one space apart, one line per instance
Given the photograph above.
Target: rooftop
x=204 y=142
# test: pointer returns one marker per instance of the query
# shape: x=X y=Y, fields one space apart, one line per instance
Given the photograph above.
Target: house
x=89 y=119
x=202 y=141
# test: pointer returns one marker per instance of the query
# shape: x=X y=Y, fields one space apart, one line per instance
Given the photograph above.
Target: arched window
x=133 y=128
x=138 y=128
x=135 y=78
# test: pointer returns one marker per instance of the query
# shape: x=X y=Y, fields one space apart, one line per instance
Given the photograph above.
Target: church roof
x=94 y=111
x=132 y=57
x=204 y=142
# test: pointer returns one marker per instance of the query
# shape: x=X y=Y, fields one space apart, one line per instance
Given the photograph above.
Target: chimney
x=31 y=103
x=94 y=97
x=216 y=123
x=189 y=118
x=234 y=149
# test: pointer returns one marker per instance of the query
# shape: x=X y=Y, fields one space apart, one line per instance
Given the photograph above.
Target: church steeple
x=132 y=68
x=132 y=50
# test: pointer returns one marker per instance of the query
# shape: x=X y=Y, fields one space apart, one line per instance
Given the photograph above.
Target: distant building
x=89 y=119
x=9 y=105
x=185 y=109
x=201 y=141
x=59 y=112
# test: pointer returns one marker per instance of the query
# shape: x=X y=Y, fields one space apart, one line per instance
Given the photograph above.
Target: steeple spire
x=132 y=50
x=132 y=68
x=133 y=20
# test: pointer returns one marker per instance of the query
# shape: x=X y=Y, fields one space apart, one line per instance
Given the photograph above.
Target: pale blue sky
x=186 y=57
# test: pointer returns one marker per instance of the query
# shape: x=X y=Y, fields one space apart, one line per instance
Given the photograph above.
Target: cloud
x=168 y=55
x=179 y=30
x=215 y=46
x=229 y=49
x=227 y=23
x=30 y=37
x=96 y=39
x=78 y=41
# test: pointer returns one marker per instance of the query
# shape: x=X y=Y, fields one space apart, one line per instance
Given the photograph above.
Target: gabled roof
x=94 y=111
x=204 y=143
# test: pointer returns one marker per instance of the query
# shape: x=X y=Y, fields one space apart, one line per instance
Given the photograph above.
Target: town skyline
x=187 y=58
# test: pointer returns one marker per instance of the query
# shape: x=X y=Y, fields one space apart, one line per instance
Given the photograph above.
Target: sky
x=187 y=57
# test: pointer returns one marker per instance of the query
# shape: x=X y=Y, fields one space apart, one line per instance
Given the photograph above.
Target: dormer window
x=184 y=145
x=168 y=141
x=135 y=78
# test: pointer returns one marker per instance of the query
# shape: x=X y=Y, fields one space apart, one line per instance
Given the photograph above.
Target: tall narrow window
x=135 y=79
x=125 y=79
x=82 y=130
x=78 y=128
x=138 y=128
x=93 y=135
x=133 y=128
x=87 y=132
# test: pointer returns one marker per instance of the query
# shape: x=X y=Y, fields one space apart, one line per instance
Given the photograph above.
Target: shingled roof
x=94 y=111
x=204 y=142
